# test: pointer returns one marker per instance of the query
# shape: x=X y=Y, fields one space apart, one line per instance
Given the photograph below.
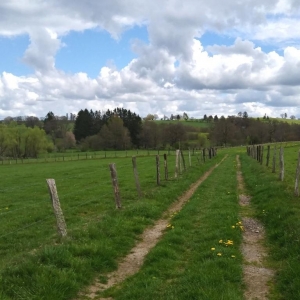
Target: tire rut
x=150 y=237
x=256 y=275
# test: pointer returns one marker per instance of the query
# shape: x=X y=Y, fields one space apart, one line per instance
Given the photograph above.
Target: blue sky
x=152 y=58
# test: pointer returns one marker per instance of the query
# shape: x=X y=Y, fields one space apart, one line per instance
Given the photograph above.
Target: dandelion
x=232 y=226
x=169 y=225
x=220 y=241
x=219 y=254
x=242 y=228
x=213 y=249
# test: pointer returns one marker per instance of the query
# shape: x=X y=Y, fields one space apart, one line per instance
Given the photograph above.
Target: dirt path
x=134 y=260
x=256 y=275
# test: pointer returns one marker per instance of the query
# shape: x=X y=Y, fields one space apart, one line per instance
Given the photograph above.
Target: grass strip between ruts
x=199 y=256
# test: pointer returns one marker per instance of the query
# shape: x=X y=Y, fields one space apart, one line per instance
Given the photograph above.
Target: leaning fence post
x=176 y=163
x=296 y=191
x=114 y=179
x=281 y=161
x=60 y=220
x=136 y=177
x=166 y=167
x=157 y=170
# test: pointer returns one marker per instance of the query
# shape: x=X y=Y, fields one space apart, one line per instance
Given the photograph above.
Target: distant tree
x=150 y=136
x=69 y=140
x=149 y=117
x=32 y=121
x=240 y=114
x=114 y=135
x=185 y=116
x=156 y=117
x=293 y=117
x=205 y=117
x=216 y=118
x=83 y=125
x=178 y=117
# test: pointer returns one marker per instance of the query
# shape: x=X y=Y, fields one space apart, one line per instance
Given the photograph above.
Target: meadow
x=189 y=262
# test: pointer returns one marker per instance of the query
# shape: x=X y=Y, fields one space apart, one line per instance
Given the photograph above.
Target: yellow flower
x=219 y=254
x=220 y=241
x=233 y=256
x=169 y=225
x=232 y=226
x=213 y=249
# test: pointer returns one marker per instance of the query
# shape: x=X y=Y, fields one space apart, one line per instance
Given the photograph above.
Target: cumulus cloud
x=174 y=72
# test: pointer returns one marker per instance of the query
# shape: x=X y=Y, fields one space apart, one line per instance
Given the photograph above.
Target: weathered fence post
x=176 y=163
x=190 y=160
x=296 y=191
x=268 y=156
x=166 y=167
x=183 y=161
x=203 y=154
x=60 y=220
x=136 y=177
x=274 y=160
x=281 y=162
x=114 y=179
x=157 y=170
x=261 y=154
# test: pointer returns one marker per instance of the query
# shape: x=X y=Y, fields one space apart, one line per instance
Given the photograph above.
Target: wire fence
x=26 y=208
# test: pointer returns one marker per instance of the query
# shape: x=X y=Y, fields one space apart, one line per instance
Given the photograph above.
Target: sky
x=153 y=57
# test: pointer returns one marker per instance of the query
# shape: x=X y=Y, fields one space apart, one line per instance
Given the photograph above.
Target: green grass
x=279 y=210
x=182 y=265
x=35 y=263
x=78 y=155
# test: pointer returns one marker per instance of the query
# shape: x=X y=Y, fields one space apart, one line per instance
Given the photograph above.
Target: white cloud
x=216 y=80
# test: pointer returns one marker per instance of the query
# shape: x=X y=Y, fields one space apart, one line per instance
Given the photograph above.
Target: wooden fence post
x=176 y=164
x=60 y=220
x=114 y=179
x=157 y=170
x=190 y=159
x=281 y=162
x=136 y=177
x=183 y=161
x=166 y=167
x=203 y=154
x=261 y=154
x=296 y=191
x=268 y=156
x=274 y=160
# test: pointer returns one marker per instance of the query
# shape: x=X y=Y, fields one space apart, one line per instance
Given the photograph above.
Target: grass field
x=188 y=263
x=35 y=262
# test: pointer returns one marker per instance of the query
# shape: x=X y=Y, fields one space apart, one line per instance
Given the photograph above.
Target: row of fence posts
x=179 y=167
x=257 y=152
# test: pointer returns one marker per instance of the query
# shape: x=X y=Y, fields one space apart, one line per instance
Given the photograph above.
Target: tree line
x=122 y=129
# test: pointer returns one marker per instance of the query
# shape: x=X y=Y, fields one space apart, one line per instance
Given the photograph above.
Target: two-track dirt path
x=256 y=275
x=134 y=260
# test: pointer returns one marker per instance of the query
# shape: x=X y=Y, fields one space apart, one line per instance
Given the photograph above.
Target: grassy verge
x=35 y=263
x=192 y=260
x=279 y=211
